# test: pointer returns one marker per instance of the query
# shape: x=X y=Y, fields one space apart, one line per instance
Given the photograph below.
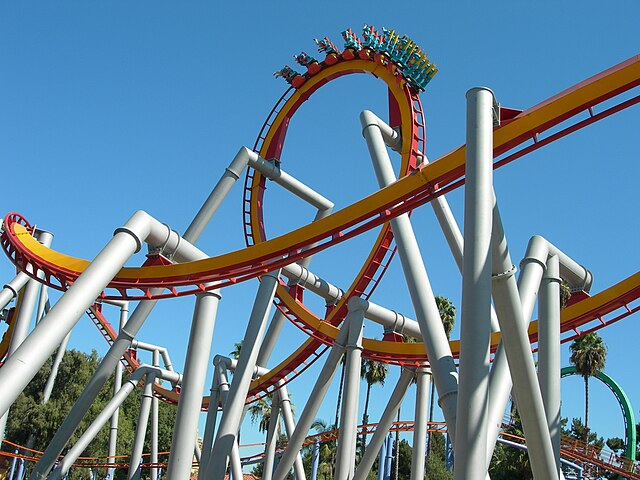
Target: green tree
x=508 y=462
x=436 y=460
x=373 y=373
x=588 y=355
x=327 y=453
x=580 y=431
x=403 y=460
x=260 y=411
x=28 y=415
x=447 y=311
x=565 y=294
x=237 y=348
x=616 y=444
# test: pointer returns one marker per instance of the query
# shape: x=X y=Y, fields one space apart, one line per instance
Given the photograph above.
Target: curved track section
x=404 y=195
x=625 y=406
x=409 y=192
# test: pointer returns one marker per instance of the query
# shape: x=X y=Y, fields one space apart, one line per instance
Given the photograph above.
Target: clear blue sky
x=110 y=107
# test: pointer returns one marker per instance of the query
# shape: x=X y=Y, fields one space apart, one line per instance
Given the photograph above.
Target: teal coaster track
x=625 y=406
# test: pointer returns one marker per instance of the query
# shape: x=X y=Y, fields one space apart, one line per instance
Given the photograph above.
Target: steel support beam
x=549 y=350
x=388 y=415
x=475 y=329
x=313 y=404
x=346 y=453
x=518 y=353
x=420 y=424
x=103 y=417
x=141 y=427
x=185 y=430
x=117 y=383
x=227 y=432
x=427 y=314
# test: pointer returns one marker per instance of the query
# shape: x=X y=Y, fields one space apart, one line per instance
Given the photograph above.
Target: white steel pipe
x=153 y=471
x=268 y=459
x=236 y=467
x=549 y=350
x=102 y=418
x=538 y=251
x=185 y=428
x=529 y=280
x=386 y=420
x=27 y=302
x=273 y=172
x=332 y=294
x=420 y=424
x=210 y=422
x=394 y=320
x=25 y=362
x=181 y=250
x=25 y=306
x=289 y=426
x=48 y=387
x=518 y=353
x=141 y=428
x=427 y=314
x=475 y=330
x=232 y=364
x=439 y=204
x=218 y=194
x=149 y=347
x=227 y=432
x=117 y=383
x=302 y=276
x=11 y=289
x=313 y=404
x=345 y=455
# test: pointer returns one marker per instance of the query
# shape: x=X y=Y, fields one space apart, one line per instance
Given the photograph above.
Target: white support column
x=345 y=456
x=153 y=471
x=117 y=383
x=475 y=330
x=386 y=420
x=103 y=417
x=212 y=413
x=141 y=427
x=290 y=426
x=436 y=343
x=549 y=350
x=227 y=432
x=139 y=315
x=532 y=270
x=313 y=404
x=185 y=429
x=11 y=289
x=420 y=425
x=519 y=357
x=25 y=362
x=25 y=307
x=272 y=438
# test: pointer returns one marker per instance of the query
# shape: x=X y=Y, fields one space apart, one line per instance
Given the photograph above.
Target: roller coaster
x=492 y=356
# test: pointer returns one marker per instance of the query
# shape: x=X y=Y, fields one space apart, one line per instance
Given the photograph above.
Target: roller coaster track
x=422 y=183
x=592 y=459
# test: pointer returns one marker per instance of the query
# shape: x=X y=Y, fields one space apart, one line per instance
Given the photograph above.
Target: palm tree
x=565 y=293
x=588 y=355
x=260 y=412
x=327 y=452
x=237 y=348
x=373 y=372
x=448 y=317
